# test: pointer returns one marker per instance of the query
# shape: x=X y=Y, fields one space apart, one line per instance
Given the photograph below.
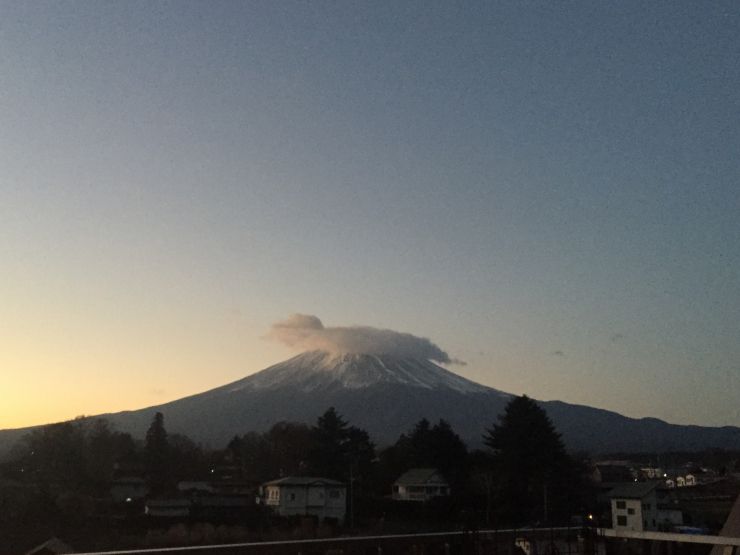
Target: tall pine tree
x=328 y=450
x=157 y=455
x=534 y=474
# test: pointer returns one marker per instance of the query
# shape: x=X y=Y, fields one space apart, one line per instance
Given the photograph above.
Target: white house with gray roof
x=420 y=484
x=635 y=506
x=643 y=506
x=305 y=495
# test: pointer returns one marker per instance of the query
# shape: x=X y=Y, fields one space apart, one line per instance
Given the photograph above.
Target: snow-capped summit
x=321 y=370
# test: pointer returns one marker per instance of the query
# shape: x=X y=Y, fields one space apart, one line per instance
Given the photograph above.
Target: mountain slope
x=318 y=370
x=387 y=395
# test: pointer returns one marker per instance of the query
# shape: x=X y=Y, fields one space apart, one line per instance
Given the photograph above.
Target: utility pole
x=351 y=498
x=488 y=479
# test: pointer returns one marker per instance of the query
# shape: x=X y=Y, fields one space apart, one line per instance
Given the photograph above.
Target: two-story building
x=635 y=506
x=640 y=506
x=319 y=497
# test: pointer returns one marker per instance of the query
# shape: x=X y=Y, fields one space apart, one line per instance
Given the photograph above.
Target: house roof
x=421 y=476
x=304 y=481
x=200 y=486
x=177 y=502
x=634 y=490
x=614 y=473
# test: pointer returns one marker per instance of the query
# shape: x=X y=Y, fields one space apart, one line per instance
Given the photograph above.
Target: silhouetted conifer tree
x=328 y=455
x=157 y=455
x=533 y=472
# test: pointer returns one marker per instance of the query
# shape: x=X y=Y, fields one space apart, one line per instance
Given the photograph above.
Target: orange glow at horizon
x=57 y=378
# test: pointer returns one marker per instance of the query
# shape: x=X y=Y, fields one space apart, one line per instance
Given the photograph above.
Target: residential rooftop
x=304 y=481
x=634 y=490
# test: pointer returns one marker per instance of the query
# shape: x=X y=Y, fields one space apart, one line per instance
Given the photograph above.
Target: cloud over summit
x=305 y=332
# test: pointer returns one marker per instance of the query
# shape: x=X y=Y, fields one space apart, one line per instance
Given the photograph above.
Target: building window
x=621 y=504
x=291 y=497
x=630 y=511
x=334 y=494
x=621 y=520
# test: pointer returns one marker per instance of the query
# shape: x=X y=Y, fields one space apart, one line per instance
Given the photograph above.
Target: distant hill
x=387 y=395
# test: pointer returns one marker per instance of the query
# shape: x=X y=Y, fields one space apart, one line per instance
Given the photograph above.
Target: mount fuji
x=387 y=395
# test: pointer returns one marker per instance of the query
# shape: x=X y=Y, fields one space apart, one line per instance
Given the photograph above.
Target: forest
x=59 y=477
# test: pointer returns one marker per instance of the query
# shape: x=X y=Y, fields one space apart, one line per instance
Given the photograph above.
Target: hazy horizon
x=548 y=192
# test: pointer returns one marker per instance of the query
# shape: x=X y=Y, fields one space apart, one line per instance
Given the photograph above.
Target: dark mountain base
x=386 y=397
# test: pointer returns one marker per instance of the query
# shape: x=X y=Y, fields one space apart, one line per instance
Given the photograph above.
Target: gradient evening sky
x=549 y=191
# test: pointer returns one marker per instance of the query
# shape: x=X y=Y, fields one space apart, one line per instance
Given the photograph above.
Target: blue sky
x=549 y=191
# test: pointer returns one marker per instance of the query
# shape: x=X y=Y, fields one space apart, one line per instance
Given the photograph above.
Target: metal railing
x=530 y=541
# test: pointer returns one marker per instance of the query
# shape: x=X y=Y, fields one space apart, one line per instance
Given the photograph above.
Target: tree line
x=524 y=475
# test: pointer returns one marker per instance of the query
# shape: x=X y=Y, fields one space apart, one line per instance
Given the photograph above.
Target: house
x=679 y=481
x=420 y=484
x=319 y=497
x=209 y=507
x=635 y=506
x=612 y=473
x=643 y=506
x=192 y=488
x=168 y=508
x=652 y=472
